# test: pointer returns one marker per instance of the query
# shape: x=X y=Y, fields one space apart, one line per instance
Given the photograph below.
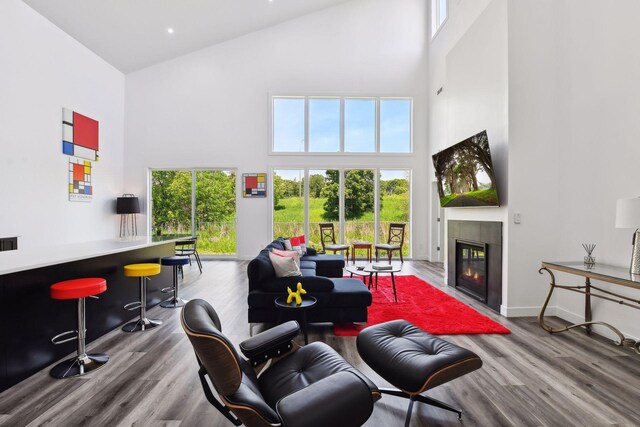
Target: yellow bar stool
x=142 y=271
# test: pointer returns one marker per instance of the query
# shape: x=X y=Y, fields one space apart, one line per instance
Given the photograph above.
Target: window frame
x=193 y=170
x=342 y=220
x=342 y=151
x=436 y=13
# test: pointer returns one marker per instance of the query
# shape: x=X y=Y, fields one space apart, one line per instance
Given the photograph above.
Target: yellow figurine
x=297 y=295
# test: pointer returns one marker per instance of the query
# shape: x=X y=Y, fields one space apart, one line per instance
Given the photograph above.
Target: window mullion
x=341 y=209
x=193 y=202
x=377 y=125
x=376 y=205
x=342 y=148
x=306 y=124
x=306 y=204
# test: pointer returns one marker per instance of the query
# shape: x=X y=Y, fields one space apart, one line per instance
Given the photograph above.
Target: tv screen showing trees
x=465 y=174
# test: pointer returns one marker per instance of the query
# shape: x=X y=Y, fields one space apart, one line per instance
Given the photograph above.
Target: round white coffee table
x=375 y=271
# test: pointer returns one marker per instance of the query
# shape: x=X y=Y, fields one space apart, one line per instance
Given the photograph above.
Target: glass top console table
x=602 y=272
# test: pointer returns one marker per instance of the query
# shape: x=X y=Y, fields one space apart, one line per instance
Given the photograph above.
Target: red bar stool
x=82 y=363
x=143 y=271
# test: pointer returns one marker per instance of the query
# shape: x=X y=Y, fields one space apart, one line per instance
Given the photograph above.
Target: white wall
x=211 y=108
x=468 y=60
x=574 y=141
x=44 y=70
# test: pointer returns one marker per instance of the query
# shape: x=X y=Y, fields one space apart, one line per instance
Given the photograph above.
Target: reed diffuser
x=589 y=260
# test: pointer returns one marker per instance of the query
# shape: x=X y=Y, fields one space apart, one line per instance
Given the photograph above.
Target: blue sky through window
x=324 y=125
x=324 y=118
x=395 y=126
x=360 y=125
x=288 y=124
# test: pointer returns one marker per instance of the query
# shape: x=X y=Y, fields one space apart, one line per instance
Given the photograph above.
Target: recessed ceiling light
x=170 y=30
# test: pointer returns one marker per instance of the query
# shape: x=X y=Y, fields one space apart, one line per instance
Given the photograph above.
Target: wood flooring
x=529 y=378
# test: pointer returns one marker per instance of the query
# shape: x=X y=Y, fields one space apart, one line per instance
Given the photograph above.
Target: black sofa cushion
x=311 y=283
x=330 y=261
x=344 y=293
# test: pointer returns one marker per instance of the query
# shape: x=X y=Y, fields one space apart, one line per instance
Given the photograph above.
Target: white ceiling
x=132 y=34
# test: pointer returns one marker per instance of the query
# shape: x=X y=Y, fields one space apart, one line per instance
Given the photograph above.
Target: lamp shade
x=628 y=213
x=128 y=205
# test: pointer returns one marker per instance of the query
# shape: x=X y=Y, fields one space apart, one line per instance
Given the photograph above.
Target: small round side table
x=307 y=303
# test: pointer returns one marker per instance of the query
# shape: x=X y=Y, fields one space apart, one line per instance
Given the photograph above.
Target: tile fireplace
x=474 y=260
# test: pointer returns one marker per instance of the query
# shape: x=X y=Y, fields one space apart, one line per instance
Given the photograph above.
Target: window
x=324 y=125
x=288 y=202
x=288 y=124
x=341 y=125
x=198 y=203
x=395 y=126
x=394 y=201
x=439 y=14
x=357 y=201
x=359 y=125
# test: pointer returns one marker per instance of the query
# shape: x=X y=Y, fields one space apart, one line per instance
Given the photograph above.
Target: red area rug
x=425 y=306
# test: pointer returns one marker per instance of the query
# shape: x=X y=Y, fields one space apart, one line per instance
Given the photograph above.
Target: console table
x=602 y=272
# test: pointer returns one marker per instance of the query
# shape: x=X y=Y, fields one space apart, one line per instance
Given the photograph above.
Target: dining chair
x=395 y=241
x=328 y=239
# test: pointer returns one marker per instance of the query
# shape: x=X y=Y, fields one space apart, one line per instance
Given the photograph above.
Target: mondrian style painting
x=254 y=185
x=79 y=135
x=80 y=186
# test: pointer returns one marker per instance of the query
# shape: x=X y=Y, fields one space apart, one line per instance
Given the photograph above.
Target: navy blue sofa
x=339 y=300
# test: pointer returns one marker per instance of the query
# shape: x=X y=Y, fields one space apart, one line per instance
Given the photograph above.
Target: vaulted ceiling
x=133 y=34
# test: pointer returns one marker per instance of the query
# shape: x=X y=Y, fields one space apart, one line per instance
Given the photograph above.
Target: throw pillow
x=287 y=245
x=295 y=245
x=303 y=244
x=284 y=266
x=291 y=254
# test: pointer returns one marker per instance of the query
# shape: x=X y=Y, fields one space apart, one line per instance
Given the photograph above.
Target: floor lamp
x=127 y=207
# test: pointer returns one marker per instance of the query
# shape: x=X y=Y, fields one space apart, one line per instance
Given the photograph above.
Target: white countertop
x=28 y=259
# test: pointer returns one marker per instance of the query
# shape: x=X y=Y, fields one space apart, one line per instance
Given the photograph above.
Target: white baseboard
x=525 y=311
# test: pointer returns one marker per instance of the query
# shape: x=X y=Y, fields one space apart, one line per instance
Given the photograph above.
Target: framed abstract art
x=254 y=185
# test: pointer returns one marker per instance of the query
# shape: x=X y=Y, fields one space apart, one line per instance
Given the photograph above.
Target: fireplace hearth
x=474 y=260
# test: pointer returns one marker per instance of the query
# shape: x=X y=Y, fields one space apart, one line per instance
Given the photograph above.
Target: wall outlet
x=517 y=218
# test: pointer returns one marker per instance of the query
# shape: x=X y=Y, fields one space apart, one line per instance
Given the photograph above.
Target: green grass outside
x=220 y=238
x=289 y=221
x=213 y=238
x=488 y=196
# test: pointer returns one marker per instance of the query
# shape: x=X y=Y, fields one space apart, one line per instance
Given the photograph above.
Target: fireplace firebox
x=474 y=260
x=471 y=269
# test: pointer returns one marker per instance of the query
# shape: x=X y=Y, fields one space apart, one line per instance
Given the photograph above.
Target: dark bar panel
x=29 y=318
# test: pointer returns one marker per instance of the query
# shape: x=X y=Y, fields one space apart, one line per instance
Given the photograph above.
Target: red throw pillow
x=303 y=245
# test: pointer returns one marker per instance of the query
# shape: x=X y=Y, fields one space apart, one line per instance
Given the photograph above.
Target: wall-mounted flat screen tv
x=465 y=174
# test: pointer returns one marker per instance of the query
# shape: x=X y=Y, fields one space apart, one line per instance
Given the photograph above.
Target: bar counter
x=29 y=318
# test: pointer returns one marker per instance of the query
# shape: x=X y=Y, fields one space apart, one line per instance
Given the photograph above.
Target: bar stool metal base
x=141 y=325
x=77 y=366
x=173 y=303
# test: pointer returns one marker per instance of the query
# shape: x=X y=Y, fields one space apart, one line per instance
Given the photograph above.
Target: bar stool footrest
x=133 y=306
x=167 y=290
x=56 y=340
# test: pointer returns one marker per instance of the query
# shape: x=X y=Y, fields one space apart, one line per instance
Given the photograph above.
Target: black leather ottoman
x=414 y=361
